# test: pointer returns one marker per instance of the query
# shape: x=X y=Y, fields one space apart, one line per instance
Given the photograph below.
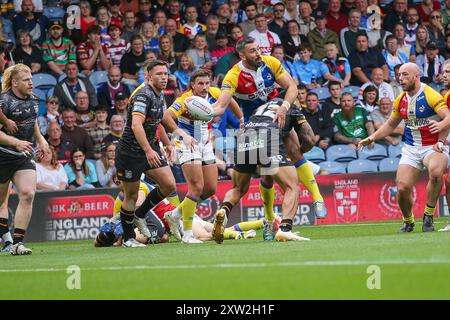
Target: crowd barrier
x=350 y=198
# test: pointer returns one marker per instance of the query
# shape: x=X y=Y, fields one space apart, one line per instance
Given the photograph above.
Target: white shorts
x=201 y=152
x=415 y=155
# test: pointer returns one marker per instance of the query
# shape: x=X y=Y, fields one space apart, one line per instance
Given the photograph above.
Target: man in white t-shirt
x=265 y=38
x=384 y=88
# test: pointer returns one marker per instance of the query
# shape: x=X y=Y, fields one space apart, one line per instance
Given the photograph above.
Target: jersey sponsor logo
x=141 y=98
x=139 y=107
x=177 y=106
x=257 y=124
x=263 y=93
x=252 y=145
x=417 y=123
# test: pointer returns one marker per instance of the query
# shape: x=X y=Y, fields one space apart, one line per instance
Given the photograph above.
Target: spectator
x=380 y=116
x=436 y=29
x=117 y=126
x=317 y=5
x=132 y=61
x=237 y=14
x=236 y=34
x=422 y=38
x=205 y=11
x=57 y=51
x=332 y=105
x=192 y=27
x=395 y=84
x=292 y=10
x=200 y=54
x=149 y=36
x=306 y=21
x=109 y=90
x=352 y=124
x=339 y=67
x=320 y=121
x=212 y=28
x=361 y=6
x=224 y=15
x=348 y=35
x=120 y=105
x=249 y=24
x=99 y=130
x=129 y=27
x=400 y=35
x=184 y=71
x=159 y=20
x=27 y=53
x=117 y=46
x=149 y=56
x=80 y=173
x=278 y=24
x=144 y=14
x=336 y=20
x=369 y=100
x=445 y=52
x=393 y=56
x=222 y=48
x=174 y=12
x=93 y=54
x=226 y=63
x=180 y=41
x=106 y=167
x=67 y=88
x=396 y=15
x=36 y=23
x=50 y=174
x=84 y=115
x=114 y=12
x=347 y=6
x=63 y=147
x=425 y=9
x=376 y=80
x=412 y=18
x=445 y=11
x=278 y=52
x=301 y=95
x=309 y=71
x=266 y=39
x=431 y=66
x=86 y=19
x=166 y=51
x=78 y=136
x=51 y=115
x=103 y=21
x=320 y=36
x=363 y=60
x=293 y=40
x=6 y=30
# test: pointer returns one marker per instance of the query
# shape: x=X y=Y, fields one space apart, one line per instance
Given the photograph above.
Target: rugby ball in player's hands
x=199 y=108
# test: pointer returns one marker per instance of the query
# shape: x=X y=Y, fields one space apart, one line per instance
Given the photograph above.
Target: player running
x=194 y=150
x=139 y=152
x=427 y=120
x=19 y=104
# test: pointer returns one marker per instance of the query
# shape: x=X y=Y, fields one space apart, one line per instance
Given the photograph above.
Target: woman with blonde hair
x=200 y=53
x=103 y=20
x=184 y=71
x=19 y=104
x=106 y=167
x=51 y=175
x=422 y=38
x=148 y=33
x=166 y=51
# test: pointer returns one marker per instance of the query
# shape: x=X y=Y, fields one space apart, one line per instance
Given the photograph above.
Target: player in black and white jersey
x=20 y=105
x=139 y=152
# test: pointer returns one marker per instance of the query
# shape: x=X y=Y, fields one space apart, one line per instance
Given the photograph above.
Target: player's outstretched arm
x=222 y=103
x=386 y=129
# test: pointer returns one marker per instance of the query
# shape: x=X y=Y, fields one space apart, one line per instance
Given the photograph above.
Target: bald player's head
x=409 y=77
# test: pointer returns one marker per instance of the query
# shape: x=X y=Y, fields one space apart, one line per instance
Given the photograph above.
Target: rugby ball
x=199 y=108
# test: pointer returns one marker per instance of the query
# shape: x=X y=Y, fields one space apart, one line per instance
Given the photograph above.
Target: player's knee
x=435 y=175
x=168 y=188
x=404 y=187
x=27 y=196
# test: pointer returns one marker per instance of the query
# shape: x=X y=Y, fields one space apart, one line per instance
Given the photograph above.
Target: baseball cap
x=56 y=23
x=432 y=45
x=121 y=96
x=319 y=15
x=114 y=25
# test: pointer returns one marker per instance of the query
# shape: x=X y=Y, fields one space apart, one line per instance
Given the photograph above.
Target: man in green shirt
x=352 y=124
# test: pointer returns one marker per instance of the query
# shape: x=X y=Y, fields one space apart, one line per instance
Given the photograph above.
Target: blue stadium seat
x=322 y=92
x=389 y=164
x=362 y=166
x=43 y=81
x=395 y=151
x=42 y=98
x=50 y=92
x=97 y=78
x=333 y=167
x=315 y=155
x=54 y=12
x=354 y=90
x=341 y=153
x=378 y=152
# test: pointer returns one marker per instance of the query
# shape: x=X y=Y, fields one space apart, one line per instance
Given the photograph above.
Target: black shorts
x=130 y=168
x=156 y=227
x=9 y=165
x=259 y=148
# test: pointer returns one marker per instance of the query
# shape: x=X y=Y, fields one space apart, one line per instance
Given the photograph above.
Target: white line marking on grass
x=246 y=265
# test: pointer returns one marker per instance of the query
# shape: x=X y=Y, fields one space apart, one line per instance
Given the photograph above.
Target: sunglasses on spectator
x=435 y=17
x=53 y=102
x=206 y=3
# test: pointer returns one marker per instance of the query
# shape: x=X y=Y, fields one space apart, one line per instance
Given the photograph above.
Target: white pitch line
x=246 y=265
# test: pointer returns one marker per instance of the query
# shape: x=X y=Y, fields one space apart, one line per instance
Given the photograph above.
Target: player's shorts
x=258 y=147
x=10 y=164
x=415 y=155
x=203 y=152
x=130 y=168
x=156 y=227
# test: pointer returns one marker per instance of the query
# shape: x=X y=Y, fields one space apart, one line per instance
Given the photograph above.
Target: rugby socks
x=268 y=197
x=286 y=225
x=248 y=225
x=227 y=206
x=18 y=235
x=429 y=210
x=230 y=234
x=3 y=226
x=306 y=177
x=7 y=237
x=189 y=205
x=153 y=198
x=410 y=219
x=126 y=219
x=173 y=199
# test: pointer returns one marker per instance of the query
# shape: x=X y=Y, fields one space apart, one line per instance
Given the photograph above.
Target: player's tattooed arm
x=306 y=137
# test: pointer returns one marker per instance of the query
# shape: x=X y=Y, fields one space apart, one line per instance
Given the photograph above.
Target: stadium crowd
x=87 y=57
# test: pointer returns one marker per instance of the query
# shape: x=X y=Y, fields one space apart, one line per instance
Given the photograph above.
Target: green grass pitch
x=334 y=265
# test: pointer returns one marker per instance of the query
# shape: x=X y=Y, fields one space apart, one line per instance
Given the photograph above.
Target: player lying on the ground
x=111 y=232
